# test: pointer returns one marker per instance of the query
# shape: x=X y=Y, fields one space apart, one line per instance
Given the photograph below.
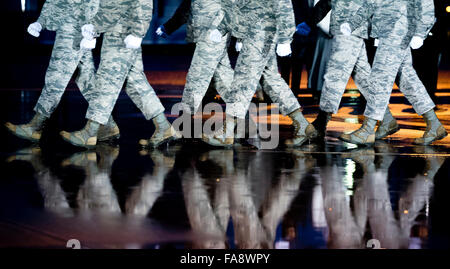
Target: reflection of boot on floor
x=388 y=126
x=31 y=131
x=385 y=159
x=107 y=155
x=223 y=158
x=434 y=131
x=433 y=161
x=81 y=159
x=364 y=157
x=303 y=160
x=32 y=155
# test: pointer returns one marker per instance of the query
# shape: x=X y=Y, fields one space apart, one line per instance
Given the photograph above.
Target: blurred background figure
x=426 y=60
x=322 y=49
x=302 y=45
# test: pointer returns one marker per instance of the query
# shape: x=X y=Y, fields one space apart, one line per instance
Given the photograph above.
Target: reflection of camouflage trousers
x=117 y=65
x=63 y=63
x=349 y=55
x=258 y=58
x=389 y=61
x=210 y=59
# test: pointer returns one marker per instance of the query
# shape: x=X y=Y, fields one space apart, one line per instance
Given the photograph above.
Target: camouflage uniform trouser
x=349 y=55
x=63 y=63
x=390 y=61
x=258 y=58
x=210 y=59
x=119 y=64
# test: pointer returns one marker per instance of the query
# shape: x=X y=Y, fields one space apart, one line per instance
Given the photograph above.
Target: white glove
x=88 y=31
x=35 y=29
x=238 y=46
x=215 y=36
x=376 y=42
x=346 y=29
x=159 y=31
x=284 y=49
x=416 y=42
x=87 y=44
x=132 y=42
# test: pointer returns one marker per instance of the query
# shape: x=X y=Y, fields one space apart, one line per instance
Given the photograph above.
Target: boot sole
x=442 y=136
x=78 y=145
x=391 y=132
x=358 y=144
x=34 y=140
x=114 y=137
x=168 y=140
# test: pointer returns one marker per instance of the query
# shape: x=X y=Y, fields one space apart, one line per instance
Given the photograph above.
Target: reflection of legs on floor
x=202 y=216
x=53 y=195
x=343 y=230
x=96 y=195
x=142 y=199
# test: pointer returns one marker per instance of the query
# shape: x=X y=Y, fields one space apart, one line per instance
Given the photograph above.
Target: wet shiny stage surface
x=188 y=195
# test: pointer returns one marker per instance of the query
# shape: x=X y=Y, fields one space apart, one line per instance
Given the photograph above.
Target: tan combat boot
x=303 y=131
x=164 y=132
x=31 y=131
x=365 y=135
x=86 y=137
x=435 y=130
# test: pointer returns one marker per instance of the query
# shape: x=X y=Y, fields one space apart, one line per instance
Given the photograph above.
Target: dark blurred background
x=25 y=58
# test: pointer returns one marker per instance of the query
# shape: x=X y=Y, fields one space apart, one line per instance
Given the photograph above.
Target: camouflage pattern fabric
x=396 y=20
x=124 y=16
x=395 y=23
x=67 y=15
x=119 y=64
x=210 y=59
x=247 y=17
x=66 y=18
x=63 y=63
x=412 y=87
x=261 y=25
x=348 y=53
x=342 y=11
x=349 y=57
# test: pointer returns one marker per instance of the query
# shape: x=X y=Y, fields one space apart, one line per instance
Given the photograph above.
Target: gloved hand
x=215 y=36
x=238 y=46
x=303 y=29
x=132 y=42
x=416 y=42
x=284 y=50
x=346 y=29
x=87 y=44
x=88 y=31
x=161 y=31
x=376 y=42
x=35 y=29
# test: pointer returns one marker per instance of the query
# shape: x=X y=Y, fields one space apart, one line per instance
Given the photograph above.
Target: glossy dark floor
x=187 y=195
